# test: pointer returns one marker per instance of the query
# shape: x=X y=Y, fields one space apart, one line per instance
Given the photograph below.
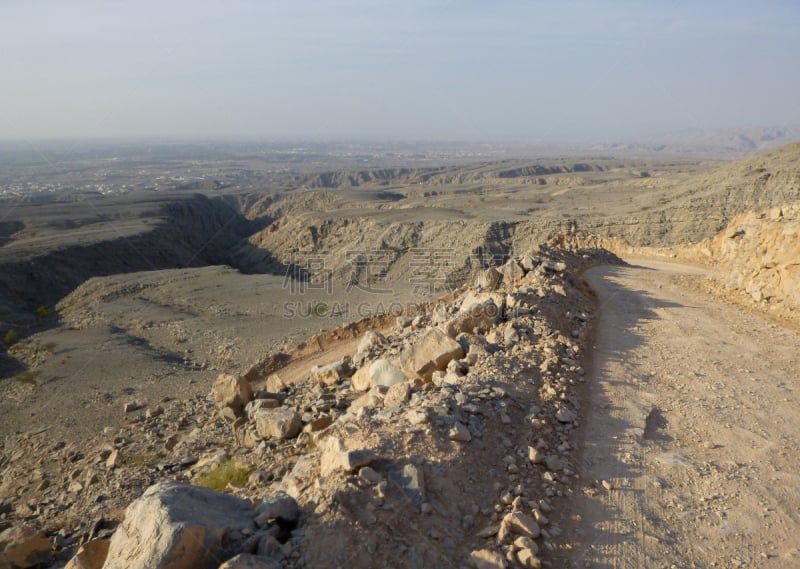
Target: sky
x=438 y=70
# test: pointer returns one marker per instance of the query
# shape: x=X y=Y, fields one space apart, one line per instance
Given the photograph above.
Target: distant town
x=47 y=168
x=30 y=170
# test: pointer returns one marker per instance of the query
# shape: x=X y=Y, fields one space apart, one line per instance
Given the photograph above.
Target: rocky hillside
x=759 y=182
x=174 y=232
x=502 y=210
x=497 y=210
x=445 y=176
x=445 y=440
x=759 y=255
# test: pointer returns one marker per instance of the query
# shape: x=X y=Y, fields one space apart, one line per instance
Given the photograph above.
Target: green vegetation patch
x=27 y=377
x=218 y=477
x=10 y=338
x=139 y=460
x=42 y=312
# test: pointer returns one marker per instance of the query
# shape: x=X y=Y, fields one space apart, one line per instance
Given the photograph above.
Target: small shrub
x=10 y=338
x=138 y=460
x=27 y=377
x=218 y=477
x=42 y=312
x=319 y=309
x=48 y=347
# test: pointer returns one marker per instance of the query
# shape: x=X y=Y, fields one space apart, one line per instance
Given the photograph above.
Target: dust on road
x=690 y=442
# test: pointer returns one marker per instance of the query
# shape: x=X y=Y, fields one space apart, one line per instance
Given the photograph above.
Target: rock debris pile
x=445 y=440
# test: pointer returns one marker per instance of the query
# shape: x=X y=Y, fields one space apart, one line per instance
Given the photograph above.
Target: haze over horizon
x=472 y=71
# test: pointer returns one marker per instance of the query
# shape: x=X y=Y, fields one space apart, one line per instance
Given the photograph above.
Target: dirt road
x=691 y=431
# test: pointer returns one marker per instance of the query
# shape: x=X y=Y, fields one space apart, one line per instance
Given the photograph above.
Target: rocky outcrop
x=541 y=170
x=759 y=254
x=491 y=172
x=364 y=177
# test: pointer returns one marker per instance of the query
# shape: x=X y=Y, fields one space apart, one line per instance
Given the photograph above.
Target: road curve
x=689 y=453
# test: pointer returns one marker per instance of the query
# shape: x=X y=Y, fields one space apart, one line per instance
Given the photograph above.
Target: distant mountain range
x=713 y=142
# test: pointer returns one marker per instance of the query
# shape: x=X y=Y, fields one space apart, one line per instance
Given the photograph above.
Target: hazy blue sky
x=443 y=70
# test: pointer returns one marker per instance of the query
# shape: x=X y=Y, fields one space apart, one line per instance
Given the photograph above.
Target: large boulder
x=490 y=279
x=555 y=266
x=304 y=473
x=232 y=392
x=433 y=351
x=178 y=526
x=336 y=456
x=369 y=400
x=521 y=524
x=275 y=384
x=279 y=423
x=22 y=547
x=326 y=375
x=280 y=506
x=529 y=263
x=252 y=408
x=487 y=559
x=329 y=374
x=381 y=373
x=478 y=313
x=397 y=395
x=370 y=339
x=512 y=271
x=486 y=300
